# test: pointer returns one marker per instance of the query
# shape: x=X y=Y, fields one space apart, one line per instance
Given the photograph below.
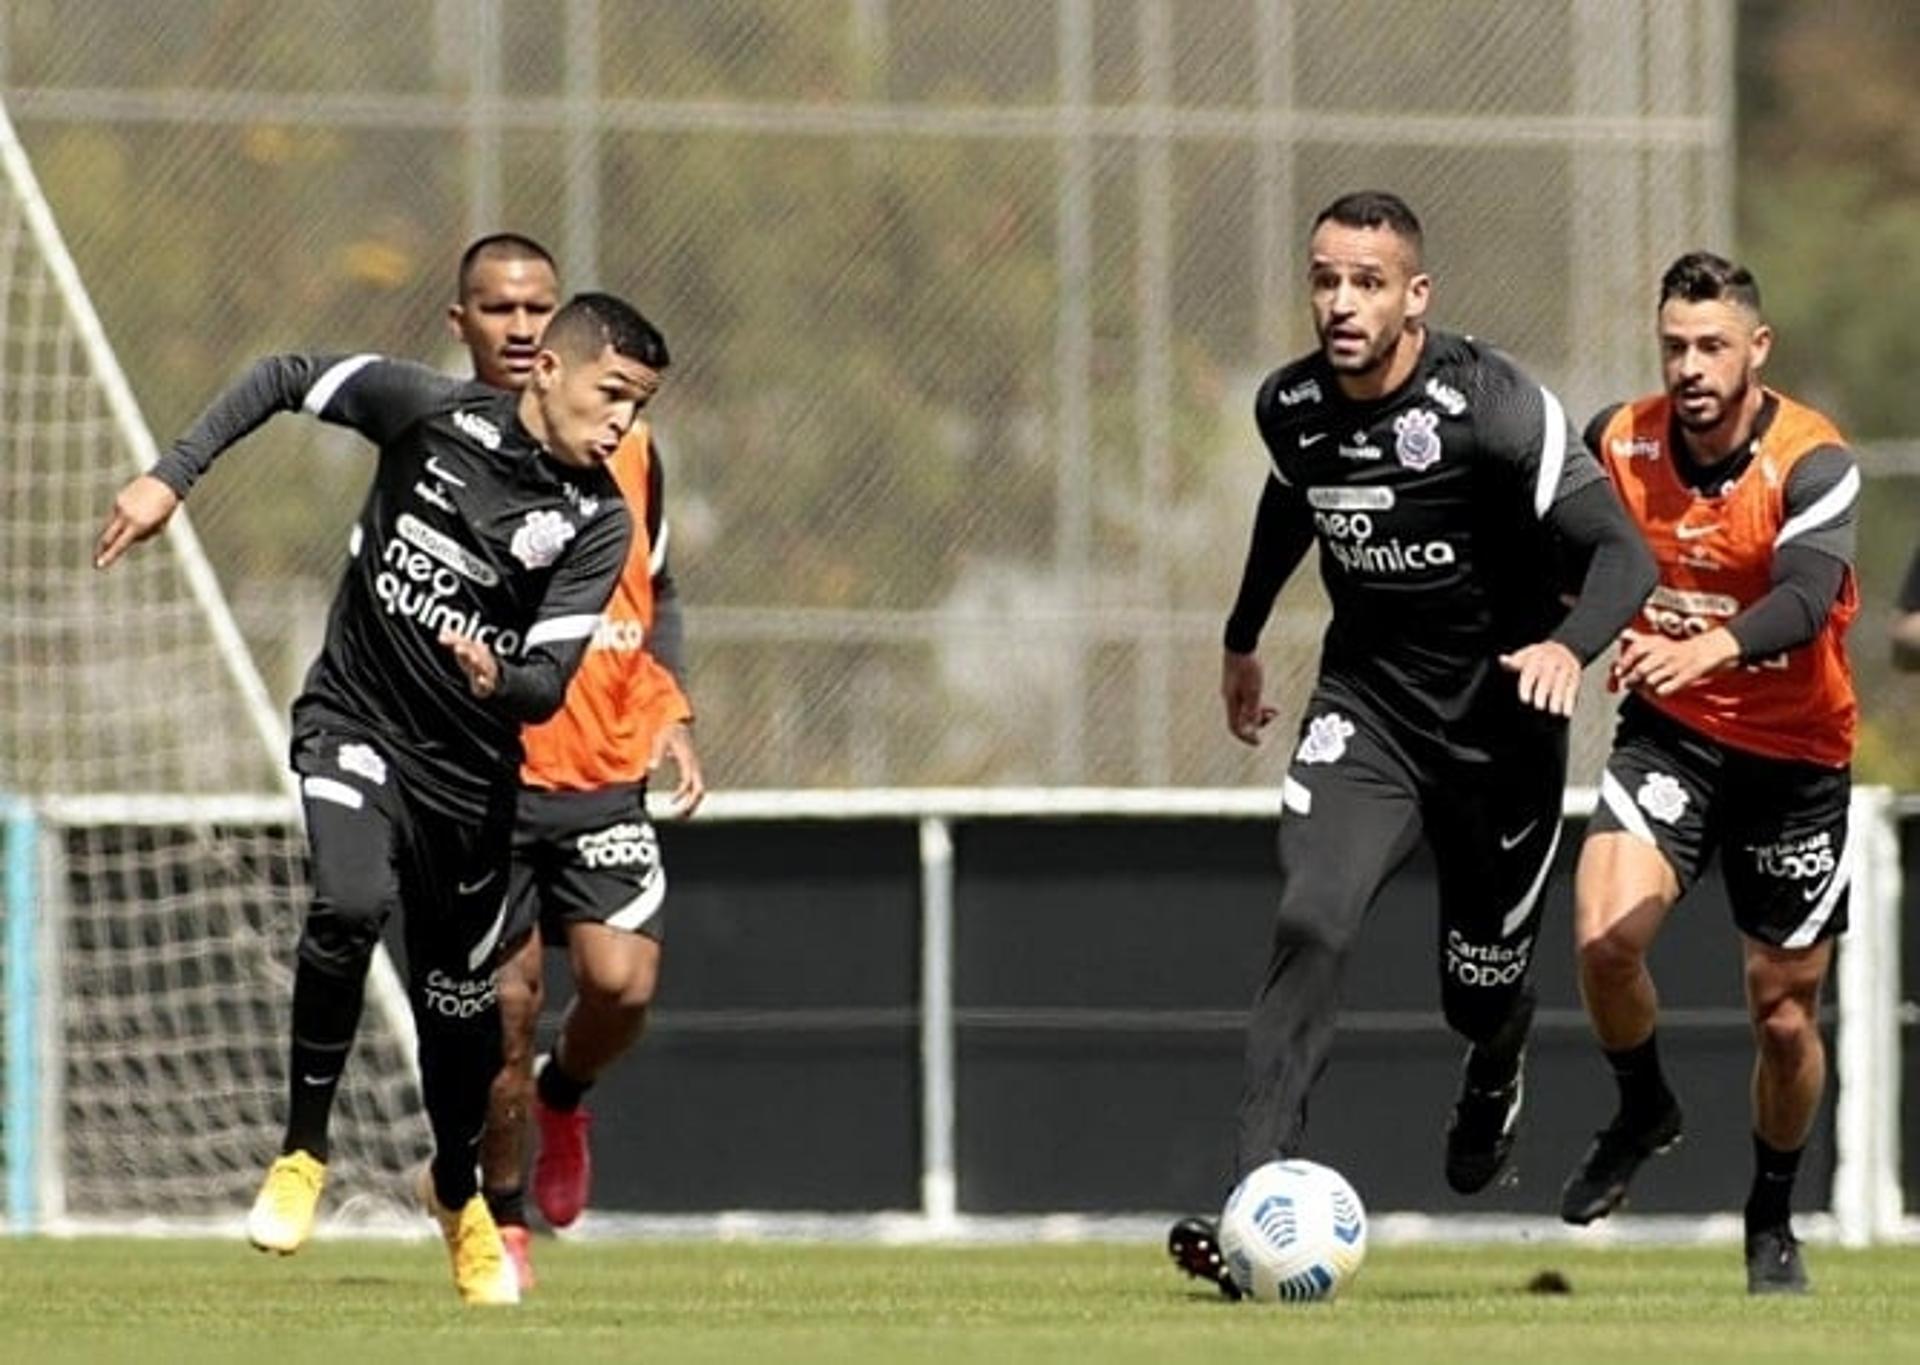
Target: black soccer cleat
x=1486 y=1118
x=1773 y=1262
x=1194 y=1244
x=1481 y=1133
x=1598 y=1185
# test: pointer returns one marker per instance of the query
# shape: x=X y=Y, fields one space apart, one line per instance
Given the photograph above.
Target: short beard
x=1368 y=364
x=1729 y=405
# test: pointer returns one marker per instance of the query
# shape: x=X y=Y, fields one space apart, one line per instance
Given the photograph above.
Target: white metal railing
x=1867 y=1200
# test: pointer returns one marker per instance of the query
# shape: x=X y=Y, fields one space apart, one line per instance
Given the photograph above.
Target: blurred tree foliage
x=855 y=404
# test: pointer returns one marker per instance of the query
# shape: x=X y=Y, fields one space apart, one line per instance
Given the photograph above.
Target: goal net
x=149 y=927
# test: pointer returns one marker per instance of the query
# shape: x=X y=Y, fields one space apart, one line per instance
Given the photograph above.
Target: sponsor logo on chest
x=1361 y=447
x=479 y=428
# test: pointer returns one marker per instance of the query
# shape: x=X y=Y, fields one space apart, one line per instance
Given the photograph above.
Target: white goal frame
x=386 y=995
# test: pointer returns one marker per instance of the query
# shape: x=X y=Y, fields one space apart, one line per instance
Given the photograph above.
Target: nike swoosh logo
x=434 y=468
x=1507 y=845
x=319 y=1080
x=1695 y=532
x=1811 y=896
x=1314 y=439
x=467 y=889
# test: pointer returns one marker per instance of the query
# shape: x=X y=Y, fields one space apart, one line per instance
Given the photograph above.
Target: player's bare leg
x=503 y=1148
x=1623 y=889
x=1789 y=1076
x=615 y=974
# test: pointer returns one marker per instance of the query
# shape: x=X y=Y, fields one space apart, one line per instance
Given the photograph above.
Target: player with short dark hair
x=586 y=872
x=481 y=560
x=1437 y=480
x=1735 y=740
x=505 y=292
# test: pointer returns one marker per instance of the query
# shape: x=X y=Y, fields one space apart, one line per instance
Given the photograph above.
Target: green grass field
x=361 y=1303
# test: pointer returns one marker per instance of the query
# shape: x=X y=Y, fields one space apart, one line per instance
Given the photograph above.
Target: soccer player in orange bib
x=586 y=872
x=1735 y=739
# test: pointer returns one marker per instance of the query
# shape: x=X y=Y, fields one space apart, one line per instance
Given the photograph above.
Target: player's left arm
x=1568 y=490
x=667 y=640
x=530 y=688
x=1812 y=555
x=673 y=742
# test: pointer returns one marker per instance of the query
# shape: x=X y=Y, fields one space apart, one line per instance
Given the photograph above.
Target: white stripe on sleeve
x=334 y=790
x=562 y=628
x=1553 y=452
x=1831 y=504
x=328 y=384
x=657 y=560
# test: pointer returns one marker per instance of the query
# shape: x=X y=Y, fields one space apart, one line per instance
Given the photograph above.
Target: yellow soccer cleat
x=281 y=1219
x=481 y=1271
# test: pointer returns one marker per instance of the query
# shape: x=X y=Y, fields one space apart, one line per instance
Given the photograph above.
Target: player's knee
x=1610 y=954
x=1784 y=1025
x=621 y=987
x=1313 y=924
x=341 y=932
x=617 y=972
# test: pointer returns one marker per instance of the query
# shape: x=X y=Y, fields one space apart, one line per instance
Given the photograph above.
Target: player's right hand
x=139 y=510
x=1241 y=683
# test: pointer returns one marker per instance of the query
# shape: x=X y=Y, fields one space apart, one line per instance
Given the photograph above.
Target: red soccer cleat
x=519 y=1244
x=563 y=1169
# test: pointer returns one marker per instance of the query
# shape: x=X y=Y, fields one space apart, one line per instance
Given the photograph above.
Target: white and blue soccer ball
x=1293 y=1232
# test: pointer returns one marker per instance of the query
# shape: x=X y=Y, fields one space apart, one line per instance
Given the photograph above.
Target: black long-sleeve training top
x=469 y=525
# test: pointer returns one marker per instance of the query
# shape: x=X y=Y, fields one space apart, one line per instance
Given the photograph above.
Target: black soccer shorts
x=1780 y=827
x=585 y=857
x=1360 y=790
x=376 y=848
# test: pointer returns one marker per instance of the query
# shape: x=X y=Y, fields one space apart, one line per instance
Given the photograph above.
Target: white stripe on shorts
x=1809 y=928
x=1616 y=800
x=642 y=907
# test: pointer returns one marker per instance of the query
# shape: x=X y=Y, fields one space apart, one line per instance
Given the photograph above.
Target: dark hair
x=1375 y=209
x=499 y=246
x=588 y=323
x=1702 y=277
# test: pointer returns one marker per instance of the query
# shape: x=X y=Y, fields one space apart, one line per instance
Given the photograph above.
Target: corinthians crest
x=1415 y=441
x=540 y=538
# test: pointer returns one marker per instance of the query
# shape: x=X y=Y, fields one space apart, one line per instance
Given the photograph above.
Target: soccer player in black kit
x=1438 y=481
x=479 y=565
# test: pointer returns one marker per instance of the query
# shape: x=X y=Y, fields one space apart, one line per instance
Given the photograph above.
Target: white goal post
x=135 y=679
